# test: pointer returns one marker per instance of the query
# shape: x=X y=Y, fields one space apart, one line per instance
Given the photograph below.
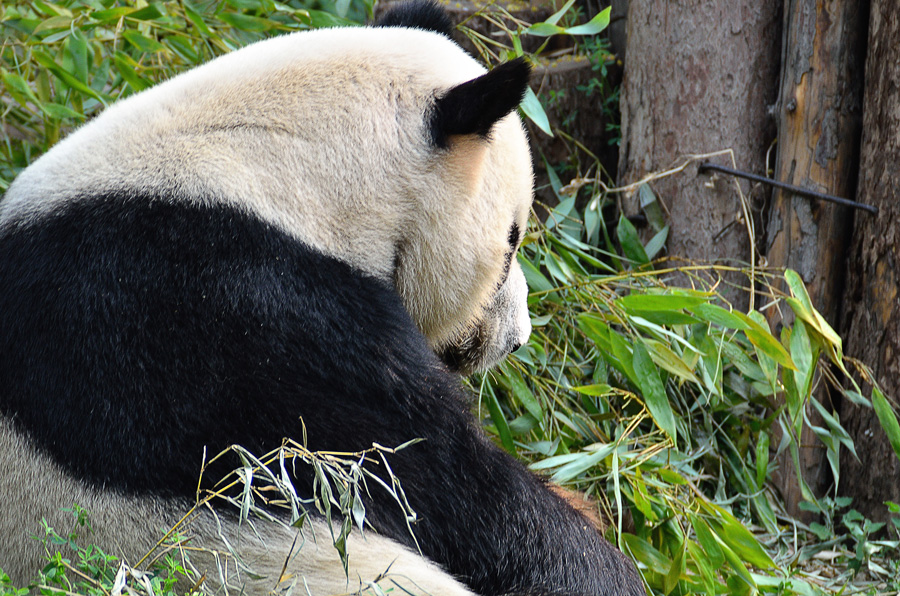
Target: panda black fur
x=292 y=231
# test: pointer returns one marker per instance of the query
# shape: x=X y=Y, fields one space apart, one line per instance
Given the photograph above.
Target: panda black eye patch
x=514 y=235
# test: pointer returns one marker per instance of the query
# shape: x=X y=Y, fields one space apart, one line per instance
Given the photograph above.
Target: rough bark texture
x=819 y=115
x=699 y=78
x=872 y=309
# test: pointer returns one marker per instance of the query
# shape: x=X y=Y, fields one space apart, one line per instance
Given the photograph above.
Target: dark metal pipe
x=805 y=192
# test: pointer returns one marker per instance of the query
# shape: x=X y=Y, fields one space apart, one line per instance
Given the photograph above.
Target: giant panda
x=306 y=238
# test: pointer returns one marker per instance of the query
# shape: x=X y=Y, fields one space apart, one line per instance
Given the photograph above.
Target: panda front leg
x=481 y=515
x=489 y=521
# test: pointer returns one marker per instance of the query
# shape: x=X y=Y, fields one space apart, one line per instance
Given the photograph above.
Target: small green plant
x=75 y=566
x=668 y=404
x=859 y=541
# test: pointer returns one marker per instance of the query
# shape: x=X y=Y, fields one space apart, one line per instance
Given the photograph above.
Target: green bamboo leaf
x=620 y=356
x=556 y=16
x=142 y=43
x=544 y=30
x=649 y=205
x=60 y=112
x=582 y=464
x=45 y=60
x=558 y=268
x=653 y=391
x=534 y=111
x=666 y=359
x=51 y=10
x=663 y=317
x=596 y=329
x=594 y=26
x=52 y=24
x=743 y=362
x=735 y=562
x=706 y=539
x=19 y=88
x=804 y=359
x=671 y=302
x=522 y=392
x=803 y=307
x=762 y=459
x=743 y=543
x=244 y=22
x=657 y=243
x=78 y=51
x=631 y=242
x=181 y=45
x=798 y=289
x=493 y=406
x=319 y=19
x=707 y=571
x=150 y=12
x=596 y=390
x=759 y=335
x=675 y=571
x=194 y=17
x=719 y=316
x=888 y=419
x=781 y=585
x=111 y=14
x=125 y=66
x=645 y=553
x=555 y=461
x=641 y=499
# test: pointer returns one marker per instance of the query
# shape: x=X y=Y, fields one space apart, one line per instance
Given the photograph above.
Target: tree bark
x=699 y=78
x=819 y=117
x=872 y=319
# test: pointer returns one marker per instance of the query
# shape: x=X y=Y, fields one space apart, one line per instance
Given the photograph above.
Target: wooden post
x=699 y=78
x=872 y=309
x=819 y=119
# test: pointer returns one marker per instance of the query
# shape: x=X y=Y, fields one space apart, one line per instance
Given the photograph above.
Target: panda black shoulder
x=417 y=14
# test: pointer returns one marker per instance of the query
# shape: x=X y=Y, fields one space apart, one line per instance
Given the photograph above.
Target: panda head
x=459 y=276
x=387 y=147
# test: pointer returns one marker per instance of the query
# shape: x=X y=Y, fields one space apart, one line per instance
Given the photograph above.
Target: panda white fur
x=304 y=233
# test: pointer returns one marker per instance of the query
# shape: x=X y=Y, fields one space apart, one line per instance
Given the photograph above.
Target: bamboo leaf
x=594 y=26
x=803 y=358
x=556 y=16
x=493 y=406
x=599 y=389
x=653 y=391
x=657 y=243
x=631 y=242
x=664 y=302
x=888 y=419
x=758 y=334
x=544 y=29
x=534 y=111
x=45 y=60
x=522 y=392
x=585 y=462
x=719 y=316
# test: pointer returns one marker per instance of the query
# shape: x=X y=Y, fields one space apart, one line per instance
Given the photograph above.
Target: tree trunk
x=699 y=78
x=819 y=118
x=872 y=308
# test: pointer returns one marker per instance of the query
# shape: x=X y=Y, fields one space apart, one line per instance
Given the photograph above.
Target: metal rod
x=789 y=187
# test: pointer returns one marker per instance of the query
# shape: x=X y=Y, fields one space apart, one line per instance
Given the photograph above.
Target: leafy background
x=661 y=402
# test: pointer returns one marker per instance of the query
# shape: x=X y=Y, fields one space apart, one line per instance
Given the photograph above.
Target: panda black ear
x=417 y=14
x=475 y=106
